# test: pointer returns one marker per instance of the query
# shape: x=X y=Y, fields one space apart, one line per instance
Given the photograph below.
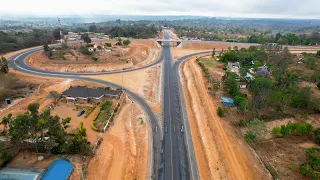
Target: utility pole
x=61 y=39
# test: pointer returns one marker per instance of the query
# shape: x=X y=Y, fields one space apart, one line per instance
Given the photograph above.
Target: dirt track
x=219 y=153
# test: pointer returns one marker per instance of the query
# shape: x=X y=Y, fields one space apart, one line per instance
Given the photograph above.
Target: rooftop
x=85 y=92
x=13 y=173
x=59 y=169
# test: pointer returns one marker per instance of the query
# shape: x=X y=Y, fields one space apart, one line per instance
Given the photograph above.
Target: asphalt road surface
x=179 y=159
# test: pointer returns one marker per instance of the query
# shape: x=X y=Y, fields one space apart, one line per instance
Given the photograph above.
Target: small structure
x=249 y=76
x=233 y=65
x=242 y=85
x=85 y=94
x=21 y=173
x=227 y=101
x=263 y=72
x=59 y=169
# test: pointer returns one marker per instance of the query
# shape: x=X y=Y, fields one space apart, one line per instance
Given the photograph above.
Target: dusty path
x=123 y=151
x=219 y=153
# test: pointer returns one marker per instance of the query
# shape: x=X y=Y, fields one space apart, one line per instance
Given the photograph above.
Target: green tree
x=119 y=43
x=231 y=84
x=250 y=137
x=316 y=135
x=257 y=63
x=318 y=53
x=258 y=128
x=310 y=62
x=4 y=66
x=46 y=48
x=86 y=38
x=220 y=112
x=126 y=42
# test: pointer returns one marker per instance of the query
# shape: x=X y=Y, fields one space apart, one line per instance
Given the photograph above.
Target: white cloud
x=243 y=8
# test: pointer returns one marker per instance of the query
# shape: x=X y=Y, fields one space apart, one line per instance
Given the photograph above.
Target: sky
x=214 y=8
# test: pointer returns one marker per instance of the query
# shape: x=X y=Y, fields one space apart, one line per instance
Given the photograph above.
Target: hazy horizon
x=290 y=9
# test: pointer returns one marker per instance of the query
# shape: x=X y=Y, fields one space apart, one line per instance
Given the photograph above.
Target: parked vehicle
x=81 y=112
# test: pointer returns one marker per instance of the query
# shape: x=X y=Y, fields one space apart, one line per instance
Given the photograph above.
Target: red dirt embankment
x=123 y=150
x=220 y=154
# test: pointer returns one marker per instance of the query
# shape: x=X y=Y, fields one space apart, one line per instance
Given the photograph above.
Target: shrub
x=318 y=85
x=126 y=42
x=299 y=129
x=250 y=137
x=108 y=44
x=84 y=50
x=220 y=112
x=277 y=131
x=94 y=58
x=311 y=168
x=241 y=123
x=258 y=128
x=106 y=105
x=272 y=171
x=89 y=111
x=93 y=126
x=316 y=135
x=285 y=130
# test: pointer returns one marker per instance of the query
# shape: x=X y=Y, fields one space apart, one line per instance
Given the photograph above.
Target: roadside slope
x=219 y=153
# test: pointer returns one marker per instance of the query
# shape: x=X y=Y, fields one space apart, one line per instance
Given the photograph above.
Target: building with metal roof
x=58 y=170
x=85 y=93
x=13 y=173
x=227 y=101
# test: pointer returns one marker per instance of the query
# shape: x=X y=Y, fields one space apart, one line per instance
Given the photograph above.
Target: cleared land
x=123 y=151
x=137 y=54
x=220 y=154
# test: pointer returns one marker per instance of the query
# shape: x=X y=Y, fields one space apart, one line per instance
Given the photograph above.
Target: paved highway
x=179 y=159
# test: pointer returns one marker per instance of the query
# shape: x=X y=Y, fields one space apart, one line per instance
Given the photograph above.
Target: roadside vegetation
x=44 y=133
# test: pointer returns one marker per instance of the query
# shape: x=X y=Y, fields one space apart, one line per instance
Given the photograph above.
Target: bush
x=108 y=44
x=220 y=112
x=94 y=58
x=277 y=131
x=93 y=126
x=316 y=135
x=299 y=129
x=126 y=42
x=311 y=168
x=89 y=111
x=318 y=85
x=272 y=171
x=285 y=130
x=250 y=137
x=258 y=128
x=84 y=50
x=241 y=123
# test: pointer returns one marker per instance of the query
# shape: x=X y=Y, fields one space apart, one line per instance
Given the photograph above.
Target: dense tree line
x=134 y=31
x=280 y=91
x=286 y=39
x=12 y=41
